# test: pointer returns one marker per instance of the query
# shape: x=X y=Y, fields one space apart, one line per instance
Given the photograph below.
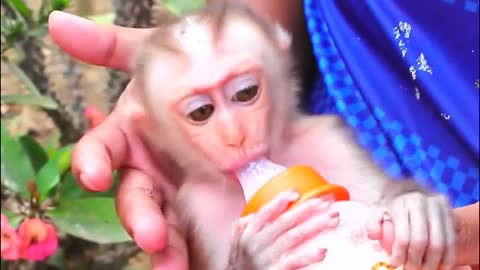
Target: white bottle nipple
x=256 y=174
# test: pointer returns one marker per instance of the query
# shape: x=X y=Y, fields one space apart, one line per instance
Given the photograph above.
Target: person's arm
x=467 y=219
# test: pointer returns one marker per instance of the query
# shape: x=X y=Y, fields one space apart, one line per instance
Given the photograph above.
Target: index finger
x=104 y=45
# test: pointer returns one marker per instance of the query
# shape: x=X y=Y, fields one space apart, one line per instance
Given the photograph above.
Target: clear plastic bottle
x=348 y=245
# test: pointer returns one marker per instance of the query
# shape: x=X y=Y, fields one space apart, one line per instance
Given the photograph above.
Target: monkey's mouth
x=255 y=153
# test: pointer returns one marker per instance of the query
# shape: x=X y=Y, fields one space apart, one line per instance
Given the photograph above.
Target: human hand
x=273 y=237
x=116 y=143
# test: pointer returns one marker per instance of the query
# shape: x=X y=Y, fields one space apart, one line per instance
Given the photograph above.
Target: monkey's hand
x=273 y=237
x=424 y=236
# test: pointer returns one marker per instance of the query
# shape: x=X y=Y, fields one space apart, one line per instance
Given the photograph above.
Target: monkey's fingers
x=137 y=204
x=436 y=247
x=292 y=218
x=303 y=233
x=374 y=226
x=270 y=211
x=450 y=256
x=114 y=45
x=419 y=231
x=381 y=228
x=401 y=219
x=298 y=260
x=96 y=154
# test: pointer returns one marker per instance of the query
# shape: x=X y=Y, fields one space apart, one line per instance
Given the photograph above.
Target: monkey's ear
x=283 y=38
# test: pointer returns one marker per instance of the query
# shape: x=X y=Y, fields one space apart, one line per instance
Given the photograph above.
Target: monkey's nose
x=239 y=142
x=231 y=129
x=235 y=137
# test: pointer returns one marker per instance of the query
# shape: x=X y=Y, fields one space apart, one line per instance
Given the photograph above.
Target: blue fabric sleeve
x=405 y=75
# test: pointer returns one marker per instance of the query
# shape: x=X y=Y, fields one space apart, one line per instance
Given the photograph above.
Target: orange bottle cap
x=303 y=179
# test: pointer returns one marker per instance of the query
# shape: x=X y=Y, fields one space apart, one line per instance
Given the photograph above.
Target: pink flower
x=10 y=243
x=94 y=116
x=39 y=239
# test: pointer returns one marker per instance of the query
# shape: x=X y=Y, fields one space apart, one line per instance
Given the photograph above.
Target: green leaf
x=24 y=79
x=16 y=169
x=34 y=150
x=12 y=30
x=179 y=7
x=106 y=18
x=62 y=158
x=92 y=219
x=69 y=189
x=13 y=218
x=60 y=4
x=21 y=8
x=31 y=100
x=38 y=32
x=52 y=143
x=57 y=260
x=48 y=6
x=49 y=175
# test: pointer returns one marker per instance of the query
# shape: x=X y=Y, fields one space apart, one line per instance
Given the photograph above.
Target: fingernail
x=324 y=205
x=87 y=182
x=71 y=18
x=146 y=238
x=294 y=196
x=334 y=214
x=322 y=251
x=394 y=260
x=333 y=222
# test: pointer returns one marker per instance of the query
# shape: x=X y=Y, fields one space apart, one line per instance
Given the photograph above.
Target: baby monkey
x=219 y=91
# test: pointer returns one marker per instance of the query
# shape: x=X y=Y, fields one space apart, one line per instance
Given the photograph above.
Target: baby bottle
x=348 y=244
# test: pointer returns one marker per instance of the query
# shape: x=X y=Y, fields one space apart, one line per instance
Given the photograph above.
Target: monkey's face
x=218 y=91
x=228 y=122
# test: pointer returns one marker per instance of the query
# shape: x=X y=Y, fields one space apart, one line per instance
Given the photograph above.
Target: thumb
x=381 y=228
x=174 y=256
x=388 y=235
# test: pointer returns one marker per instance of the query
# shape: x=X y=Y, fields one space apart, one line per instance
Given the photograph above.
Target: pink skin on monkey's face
x=227 y=122
x=223 y=107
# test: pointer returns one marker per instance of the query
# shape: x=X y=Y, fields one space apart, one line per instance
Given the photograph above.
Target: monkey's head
x=219 y=82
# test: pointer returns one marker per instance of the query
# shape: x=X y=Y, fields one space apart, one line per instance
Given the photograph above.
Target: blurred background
x=44 y=95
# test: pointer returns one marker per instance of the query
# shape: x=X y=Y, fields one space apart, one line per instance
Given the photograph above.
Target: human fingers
x=104 y=45
x=97 y=153
x=138 y=203
x=174 y=256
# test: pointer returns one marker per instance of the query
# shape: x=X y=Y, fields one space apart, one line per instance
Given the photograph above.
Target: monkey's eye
x=246 y=94
x=202 y=113
x=198 y=108
x=243 y=89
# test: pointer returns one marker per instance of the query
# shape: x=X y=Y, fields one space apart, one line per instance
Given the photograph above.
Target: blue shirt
x=405 y=75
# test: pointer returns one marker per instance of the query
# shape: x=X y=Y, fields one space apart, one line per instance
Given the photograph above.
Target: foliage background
x=46 y=125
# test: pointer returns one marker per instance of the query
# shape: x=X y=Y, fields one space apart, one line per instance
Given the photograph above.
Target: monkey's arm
x=423 y=223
